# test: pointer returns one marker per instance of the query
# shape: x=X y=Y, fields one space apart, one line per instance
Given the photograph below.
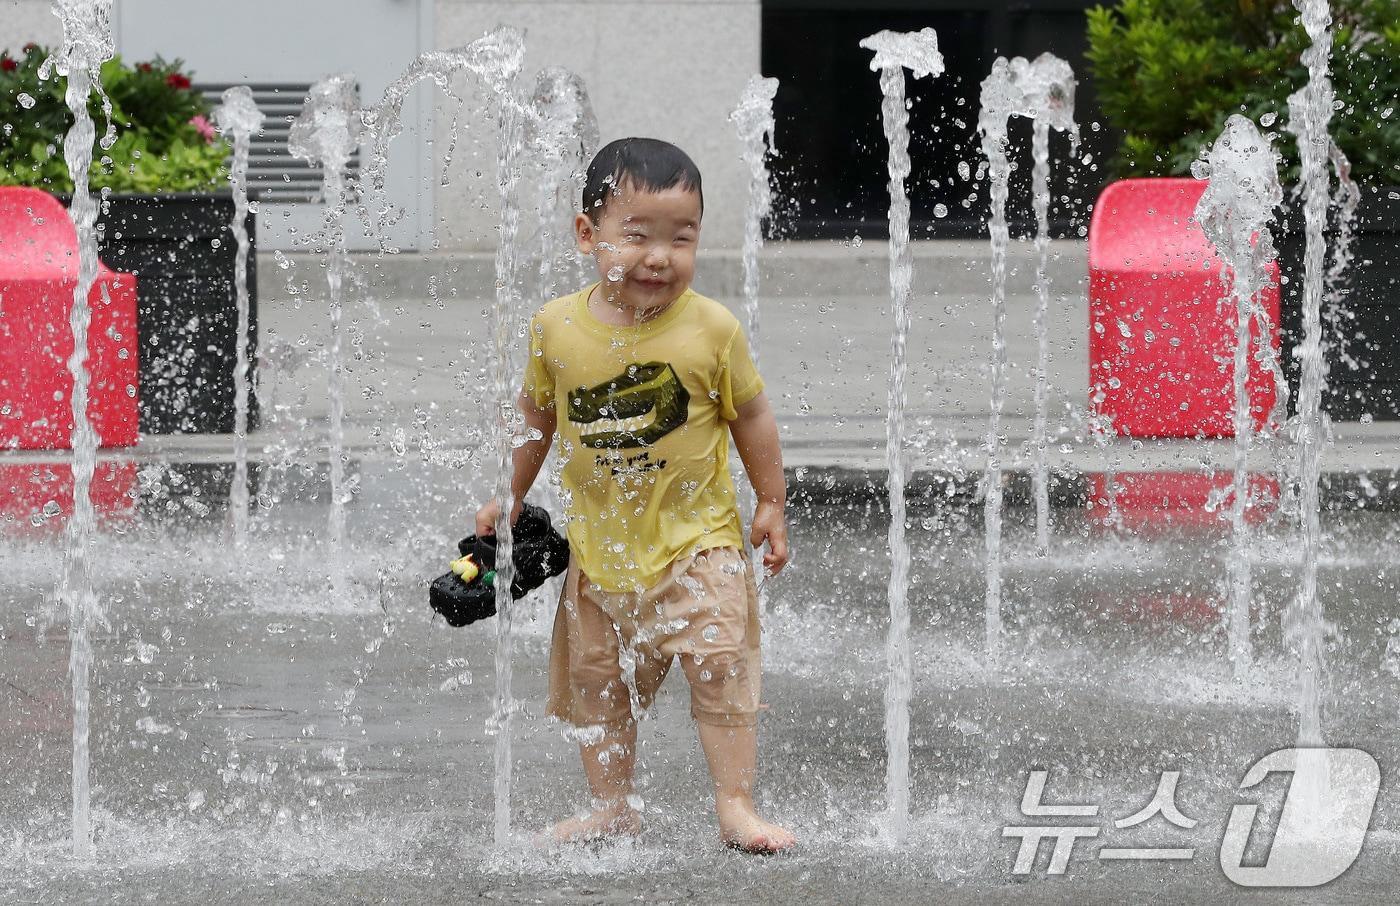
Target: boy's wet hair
x=647 y=164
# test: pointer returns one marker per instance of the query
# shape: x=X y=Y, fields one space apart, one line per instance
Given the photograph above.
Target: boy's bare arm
x=526 y=461
x=755 y=433
x=527 y=458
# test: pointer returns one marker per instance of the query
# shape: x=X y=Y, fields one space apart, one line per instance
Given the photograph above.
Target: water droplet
x=25 y=100
x=452 y=683
x=856 y=241
x=616 y=273
x=711 y=632
x=152 y=726
x=1268 y=119
x=51 y=509
x=940 y=211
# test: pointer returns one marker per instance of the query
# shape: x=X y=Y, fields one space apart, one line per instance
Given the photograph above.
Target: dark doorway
x=830 y=174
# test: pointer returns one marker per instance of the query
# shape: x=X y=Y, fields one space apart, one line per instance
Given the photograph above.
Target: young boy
x=645 y=380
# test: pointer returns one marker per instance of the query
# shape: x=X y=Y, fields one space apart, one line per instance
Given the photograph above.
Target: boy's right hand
x=486 y=517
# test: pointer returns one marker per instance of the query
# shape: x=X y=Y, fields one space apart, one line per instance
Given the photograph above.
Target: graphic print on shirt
x=633 y=409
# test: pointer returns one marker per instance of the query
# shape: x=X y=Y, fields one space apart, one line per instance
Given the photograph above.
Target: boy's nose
x=656 y=258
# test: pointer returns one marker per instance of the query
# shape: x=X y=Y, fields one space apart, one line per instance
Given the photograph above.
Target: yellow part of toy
x=466 y=568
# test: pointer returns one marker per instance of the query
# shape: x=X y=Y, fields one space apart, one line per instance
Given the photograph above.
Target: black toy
x=468 y=592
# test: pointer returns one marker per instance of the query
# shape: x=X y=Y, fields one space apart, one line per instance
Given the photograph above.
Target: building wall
x=661 y=68
x=22 y=21
x=671 y=69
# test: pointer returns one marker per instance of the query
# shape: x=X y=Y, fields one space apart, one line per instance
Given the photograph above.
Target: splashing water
x=325 y=134
x=1235 y=212
x=497 y=58
x=384 y=121
x=753 y=122
x=1043 y=91
x=895 y=52
x=1346 y=199
x=563 y=137
x=87 y=43
x=754 y=125
x=239 y=117
x=1309 y=112
x=1057 y=110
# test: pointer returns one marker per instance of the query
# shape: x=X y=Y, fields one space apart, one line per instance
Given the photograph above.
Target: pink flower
x=204 y=128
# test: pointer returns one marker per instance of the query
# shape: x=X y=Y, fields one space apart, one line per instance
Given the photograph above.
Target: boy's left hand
x=768 y=523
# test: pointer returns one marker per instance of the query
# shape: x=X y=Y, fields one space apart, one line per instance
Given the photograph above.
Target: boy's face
x=644 y=244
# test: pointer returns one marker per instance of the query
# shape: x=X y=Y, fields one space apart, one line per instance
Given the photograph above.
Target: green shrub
x=1169 y=73
x=164 y=139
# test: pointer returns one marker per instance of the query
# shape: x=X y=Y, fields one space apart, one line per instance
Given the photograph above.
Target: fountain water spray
x=239 y=117
x=895 y=52
x=754 y=124
x=1346 y=199
x=87 y=44
x=563 y=136
x=1309 y=112
x=1235 y=212
x=326 y=134
x=1044 y=92
x=496 y=59
x=384 y=122
x=1060 y=115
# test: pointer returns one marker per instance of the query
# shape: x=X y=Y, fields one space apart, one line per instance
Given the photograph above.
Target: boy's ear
x=585 y=234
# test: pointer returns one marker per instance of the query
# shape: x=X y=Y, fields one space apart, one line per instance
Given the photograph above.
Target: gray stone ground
x=258 y=740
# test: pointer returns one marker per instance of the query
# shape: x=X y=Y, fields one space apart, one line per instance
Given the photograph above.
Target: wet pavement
x=258 y=740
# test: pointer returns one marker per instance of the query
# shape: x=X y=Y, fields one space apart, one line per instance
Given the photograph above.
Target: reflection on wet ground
x=257 y=739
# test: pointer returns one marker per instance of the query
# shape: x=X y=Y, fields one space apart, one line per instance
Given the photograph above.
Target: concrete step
x=943 y=267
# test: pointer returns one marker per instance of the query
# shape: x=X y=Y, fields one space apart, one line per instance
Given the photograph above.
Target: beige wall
x=671 y=70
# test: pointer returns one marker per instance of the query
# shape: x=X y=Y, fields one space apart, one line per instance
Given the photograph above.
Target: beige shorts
x=611 y=650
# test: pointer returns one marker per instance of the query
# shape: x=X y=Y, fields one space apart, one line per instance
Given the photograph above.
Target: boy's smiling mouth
x=634 y=409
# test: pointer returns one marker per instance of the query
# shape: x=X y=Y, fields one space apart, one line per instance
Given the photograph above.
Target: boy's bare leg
x=608 y=765
x=732 y=755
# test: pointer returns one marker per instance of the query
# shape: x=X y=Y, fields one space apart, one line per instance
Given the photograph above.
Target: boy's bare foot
x=740 y=828
x=620 y=820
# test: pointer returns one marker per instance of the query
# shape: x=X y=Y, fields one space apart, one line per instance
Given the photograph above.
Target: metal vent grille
x=272 y=170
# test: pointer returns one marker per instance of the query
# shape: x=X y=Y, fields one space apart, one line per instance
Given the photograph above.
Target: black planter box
x=1371 y=293
x=181 y=248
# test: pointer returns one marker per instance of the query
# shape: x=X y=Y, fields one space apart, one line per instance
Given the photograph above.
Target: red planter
x=1161 y=328
x=38 y=275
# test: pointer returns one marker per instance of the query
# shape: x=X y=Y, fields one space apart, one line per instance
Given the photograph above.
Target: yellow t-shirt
x=641 y=414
